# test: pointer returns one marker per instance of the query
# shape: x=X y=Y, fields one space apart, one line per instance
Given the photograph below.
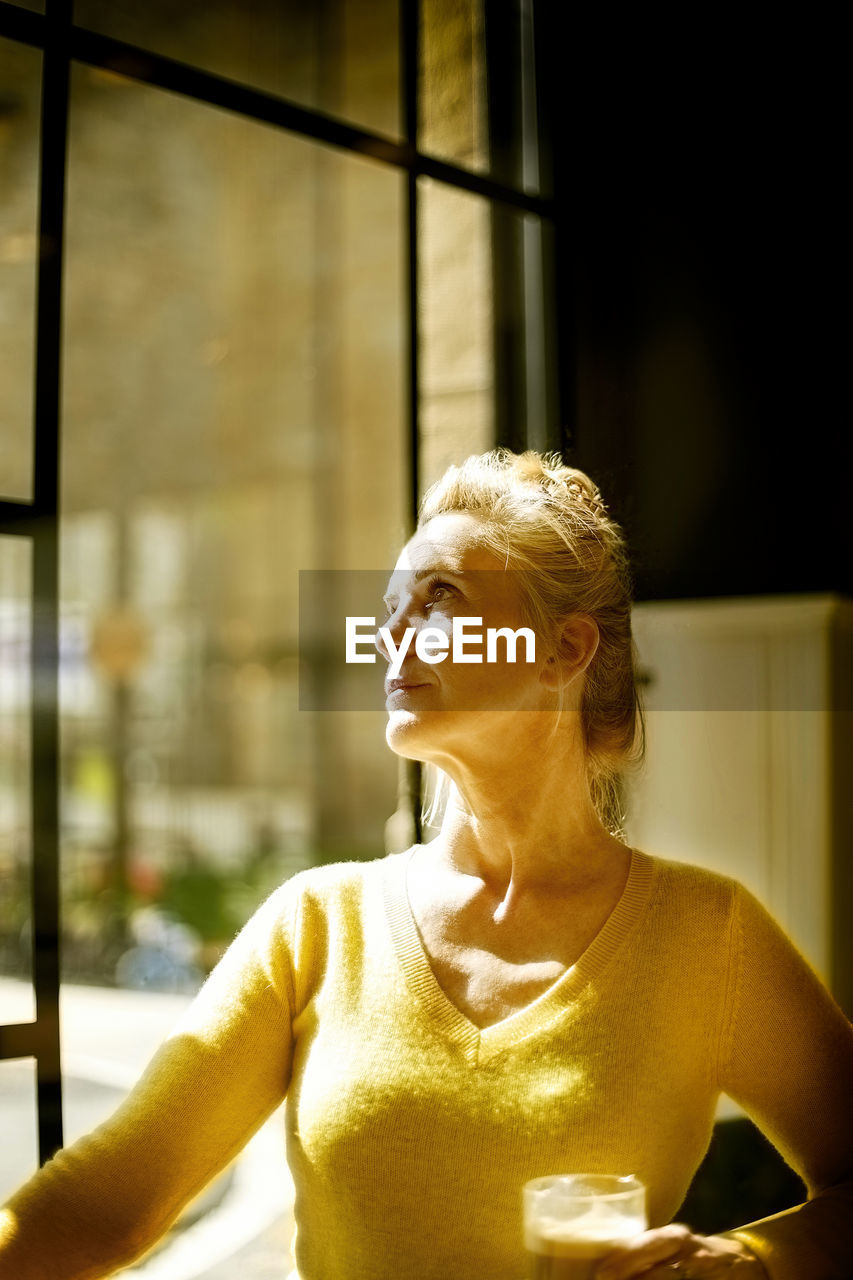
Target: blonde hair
x=550 y=521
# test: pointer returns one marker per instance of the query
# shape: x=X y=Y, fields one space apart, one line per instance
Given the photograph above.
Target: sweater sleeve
x=100 y=1203
x=787 y=1059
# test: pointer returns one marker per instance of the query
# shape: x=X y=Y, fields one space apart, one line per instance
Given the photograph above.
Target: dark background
x=698 y=170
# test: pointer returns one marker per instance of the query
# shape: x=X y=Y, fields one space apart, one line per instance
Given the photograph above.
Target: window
x=293 y=261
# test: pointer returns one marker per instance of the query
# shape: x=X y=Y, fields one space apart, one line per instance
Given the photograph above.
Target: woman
x=524 y=995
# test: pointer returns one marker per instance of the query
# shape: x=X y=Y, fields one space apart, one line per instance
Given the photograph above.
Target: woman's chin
x=412 y=733
x=402 y=732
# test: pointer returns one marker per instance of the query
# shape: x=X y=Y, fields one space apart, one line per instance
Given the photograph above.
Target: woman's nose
x=380 y=643
x=395 y=625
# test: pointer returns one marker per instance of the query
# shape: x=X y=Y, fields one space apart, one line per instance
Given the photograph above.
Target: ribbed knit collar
x=478 y=1043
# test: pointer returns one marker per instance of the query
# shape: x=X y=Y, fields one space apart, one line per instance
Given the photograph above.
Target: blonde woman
x=523 y=995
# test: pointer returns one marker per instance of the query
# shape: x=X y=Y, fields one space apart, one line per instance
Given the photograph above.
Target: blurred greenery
x=204 y=899
x=215 y=902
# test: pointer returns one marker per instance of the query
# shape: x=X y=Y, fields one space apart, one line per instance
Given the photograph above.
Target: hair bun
x=589 y=496
x=567 y=484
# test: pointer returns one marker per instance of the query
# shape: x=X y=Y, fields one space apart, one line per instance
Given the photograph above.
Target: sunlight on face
x=449 y=709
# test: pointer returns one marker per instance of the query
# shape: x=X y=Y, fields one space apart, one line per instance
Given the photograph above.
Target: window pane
x=17 y=1004
x=18 y=1123
x=478 y=91
x=339 y=56
x=453 y=117
x=20 y=86
x=233 y=410
x=455 y=311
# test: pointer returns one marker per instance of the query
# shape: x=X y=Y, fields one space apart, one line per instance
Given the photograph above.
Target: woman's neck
x=537 y=831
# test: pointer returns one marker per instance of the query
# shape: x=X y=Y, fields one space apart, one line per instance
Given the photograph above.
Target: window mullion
x=45 y=620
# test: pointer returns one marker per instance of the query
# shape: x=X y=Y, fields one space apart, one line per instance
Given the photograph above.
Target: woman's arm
x=787 y=1058
x=105 y=1200
x=786 y=1055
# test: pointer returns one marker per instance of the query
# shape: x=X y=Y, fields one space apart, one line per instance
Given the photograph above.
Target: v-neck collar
x=479 y=1043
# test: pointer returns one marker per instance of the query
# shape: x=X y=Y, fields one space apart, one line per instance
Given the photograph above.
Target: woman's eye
x=437 y=592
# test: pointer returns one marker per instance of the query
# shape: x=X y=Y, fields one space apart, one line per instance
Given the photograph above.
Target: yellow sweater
x=410 y=1132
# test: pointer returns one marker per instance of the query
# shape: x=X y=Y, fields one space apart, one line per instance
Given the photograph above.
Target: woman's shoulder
x=333 y=893
x=698 y=918
x=695 y=897
x=691 y=887
x=333 y=880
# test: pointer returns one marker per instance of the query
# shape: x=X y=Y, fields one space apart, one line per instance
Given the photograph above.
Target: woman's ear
x=574 y=649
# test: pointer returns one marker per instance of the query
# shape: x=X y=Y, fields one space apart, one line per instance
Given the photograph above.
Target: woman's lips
x=401 y=685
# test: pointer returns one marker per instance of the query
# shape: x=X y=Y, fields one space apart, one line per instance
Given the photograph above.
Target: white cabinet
x=749 y=751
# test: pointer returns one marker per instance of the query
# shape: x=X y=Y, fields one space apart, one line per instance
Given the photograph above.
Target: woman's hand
x=675 y=1253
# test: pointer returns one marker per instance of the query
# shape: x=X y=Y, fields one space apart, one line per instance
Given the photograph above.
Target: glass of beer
x=573 y=1220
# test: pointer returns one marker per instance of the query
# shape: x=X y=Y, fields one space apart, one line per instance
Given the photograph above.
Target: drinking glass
x=572 y=1220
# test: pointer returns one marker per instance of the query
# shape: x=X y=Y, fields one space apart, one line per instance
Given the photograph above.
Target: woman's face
x=455 y=710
